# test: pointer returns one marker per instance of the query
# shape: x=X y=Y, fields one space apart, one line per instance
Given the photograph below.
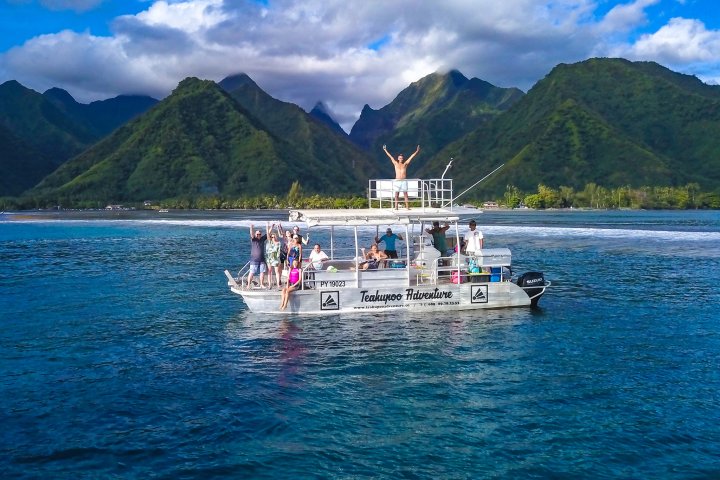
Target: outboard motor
x=532 y=279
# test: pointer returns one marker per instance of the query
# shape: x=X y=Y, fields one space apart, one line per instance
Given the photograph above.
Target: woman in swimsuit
x=294 y=277
x=373 y=258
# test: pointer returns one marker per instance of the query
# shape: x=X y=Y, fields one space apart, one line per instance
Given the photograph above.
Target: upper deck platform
x=431 y=200
x=371 y=216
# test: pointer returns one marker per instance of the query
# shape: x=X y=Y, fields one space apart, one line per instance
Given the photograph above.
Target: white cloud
x=193 y=16
x=626 y=17
x=347 y=54
x=684 y=45
x=680 y=41
x=88 y=67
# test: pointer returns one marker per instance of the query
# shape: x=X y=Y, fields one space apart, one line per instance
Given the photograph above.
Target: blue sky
x=344 y=53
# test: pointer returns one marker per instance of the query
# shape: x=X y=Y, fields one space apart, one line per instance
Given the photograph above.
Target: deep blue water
x=123 y=354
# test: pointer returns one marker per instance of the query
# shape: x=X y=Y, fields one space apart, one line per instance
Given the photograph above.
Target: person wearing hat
x=257 y=256
x=389 y=238
x=473 y=240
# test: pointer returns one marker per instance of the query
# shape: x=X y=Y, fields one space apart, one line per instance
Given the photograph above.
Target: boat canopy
x=372 y=216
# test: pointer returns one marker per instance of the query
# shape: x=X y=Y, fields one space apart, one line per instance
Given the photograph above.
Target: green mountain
x=48 y=135
x=41 y=124
x=607 y=121
x=52 y=127
x=196 y=141
x=21 y=165
x=431 y=112
x=103 y=116
x=314 y=139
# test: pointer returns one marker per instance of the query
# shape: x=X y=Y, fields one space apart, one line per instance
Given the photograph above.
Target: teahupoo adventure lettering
x=416 y=297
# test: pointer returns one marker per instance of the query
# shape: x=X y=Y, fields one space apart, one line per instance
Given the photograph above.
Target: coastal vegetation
x=592 y=196
x=597 y=197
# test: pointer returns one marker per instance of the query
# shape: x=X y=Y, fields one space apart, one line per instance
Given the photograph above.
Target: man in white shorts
x=400 y=184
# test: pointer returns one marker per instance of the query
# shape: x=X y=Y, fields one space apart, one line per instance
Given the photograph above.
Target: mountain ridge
x=632 y=120
x=431 y=112
x=608 y=122
x=197 y=141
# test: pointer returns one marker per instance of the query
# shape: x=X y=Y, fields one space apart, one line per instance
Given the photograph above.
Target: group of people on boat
x=471 y=244
x=268 y=254
x=273 y=252
x=472 y=241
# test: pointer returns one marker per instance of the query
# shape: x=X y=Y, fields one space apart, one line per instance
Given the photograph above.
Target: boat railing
x=445 y=266
x=428 y=193
x=240 y=280
x=348 y=273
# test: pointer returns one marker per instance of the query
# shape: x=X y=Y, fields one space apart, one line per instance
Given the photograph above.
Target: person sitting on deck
x=372 y=258
x=294 y=279
x=317 y=257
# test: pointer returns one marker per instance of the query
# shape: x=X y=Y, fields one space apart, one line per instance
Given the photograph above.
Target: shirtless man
x=400 y=184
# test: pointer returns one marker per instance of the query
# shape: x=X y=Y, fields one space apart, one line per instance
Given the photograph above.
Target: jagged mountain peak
x=321 y=107
x=236 y=81
x=322 y=113
x=432 y=111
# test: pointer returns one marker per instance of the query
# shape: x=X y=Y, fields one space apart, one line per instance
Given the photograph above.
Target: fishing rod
x=472 y=186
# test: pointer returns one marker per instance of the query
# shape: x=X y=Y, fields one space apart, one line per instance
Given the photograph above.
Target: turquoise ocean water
x=123 y=355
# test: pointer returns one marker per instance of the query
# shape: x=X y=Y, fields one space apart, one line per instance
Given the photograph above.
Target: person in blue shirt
x=389 y=238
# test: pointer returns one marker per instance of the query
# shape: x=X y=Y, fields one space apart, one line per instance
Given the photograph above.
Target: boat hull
x=467 y=296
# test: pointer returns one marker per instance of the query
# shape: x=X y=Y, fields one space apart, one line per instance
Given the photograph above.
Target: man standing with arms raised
x=400 y=184
x=257 y=256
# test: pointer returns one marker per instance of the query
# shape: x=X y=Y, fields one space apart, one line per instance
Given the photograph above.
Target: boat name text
x=410 y=294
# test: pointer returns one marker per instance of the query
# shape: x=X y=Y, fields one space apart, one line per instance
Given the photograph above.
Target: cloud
x=680 y=41
x=685 y=45
x=88 y=67
x=348 y=54
x=626 y=17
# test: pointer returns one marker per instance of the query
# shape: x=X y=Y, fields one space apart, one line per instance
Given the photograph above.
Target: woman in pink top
x=294 y=277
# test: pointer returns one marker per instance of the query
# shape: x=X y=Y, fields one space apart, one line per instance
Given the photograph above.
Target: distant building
x=490 y=205
x=114 y=207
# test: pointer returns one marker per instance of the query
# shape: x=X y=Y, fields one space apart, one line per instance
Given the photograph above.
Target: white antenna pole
x=447 y=168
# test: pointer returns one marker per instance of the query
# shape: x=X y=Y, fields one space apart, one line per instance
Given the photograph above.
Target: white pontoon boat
x=419 y=280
